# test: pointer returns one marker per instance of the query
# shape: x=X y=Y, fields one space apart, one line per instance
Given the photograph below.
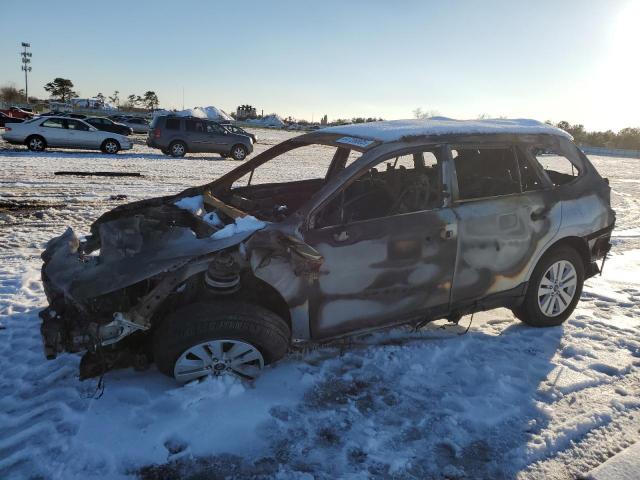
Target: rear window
x=172 y=124
x=558 y=167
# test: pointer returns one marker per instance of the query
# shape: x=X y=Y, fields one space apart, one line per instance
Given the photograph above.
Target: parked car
x=4 y=119
x=109 y=125
x=118 y=118
x=16 y=112
x=407 y=222
x=177 y=136
x=137 y=124
x=240 y=131
x=42 y=132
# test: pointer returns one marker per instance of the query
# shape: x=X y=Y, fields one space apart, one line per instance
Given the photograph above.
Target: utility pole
x=26 y=60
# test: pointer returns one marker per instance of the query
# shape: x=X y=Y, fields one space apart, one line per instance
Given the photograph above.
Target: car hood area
x=135 y=242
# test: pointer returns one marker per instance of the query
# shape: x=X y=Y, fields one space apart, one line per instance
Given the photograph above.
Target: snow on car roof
x=394 y=130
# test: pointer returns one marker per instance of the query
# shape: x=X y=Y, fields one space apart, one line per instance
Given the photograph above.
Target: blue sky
x=545 y=59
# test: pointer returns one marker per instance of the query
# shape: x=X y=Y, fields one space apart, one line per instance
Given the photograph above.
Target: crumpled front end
x=136 y=259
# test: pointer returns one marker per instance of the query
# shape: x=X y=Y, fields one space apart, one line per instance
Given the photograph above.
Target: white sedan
x=43 y=132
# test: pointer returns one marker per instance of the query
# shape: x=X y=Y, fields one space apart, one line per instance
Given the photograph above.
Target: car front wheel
x=239 y=152
x=554 y=289
x=36 y=143
x=219 y=338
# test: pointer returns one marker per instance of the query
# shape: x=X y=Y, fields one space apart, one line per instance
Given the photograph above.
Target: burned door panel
x=497 y=240
x=381 y=271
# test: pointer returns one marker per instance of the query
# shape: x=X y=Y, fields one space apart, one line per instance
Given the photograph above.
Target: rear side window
x=486 y=172
x=529 y=176
x=196 y=126
x=558 y=167
x=76 y=125
x=172 y=124
x=53 y=123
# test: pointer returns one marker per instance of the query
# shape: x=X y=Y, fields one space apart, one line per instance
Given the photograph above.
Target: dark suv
x=391 y=223
x=176 y=136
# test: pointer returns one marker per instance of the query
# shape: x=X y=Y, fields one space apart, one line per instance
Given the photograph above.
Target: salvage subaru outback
x=398 y=222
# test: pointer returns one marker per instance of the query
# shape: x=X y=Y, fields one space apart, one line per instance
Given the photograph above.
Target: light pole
x=26 y=60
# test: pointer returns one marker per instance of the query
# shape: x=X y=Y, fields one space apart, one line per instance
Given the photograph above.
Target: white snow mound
x=272 y=120
x=210 y=113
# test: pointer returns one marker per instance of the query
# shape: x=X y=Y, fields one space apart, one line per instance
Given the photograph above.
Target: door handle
x=447 y=233
x=539 y=214
x=341 y=236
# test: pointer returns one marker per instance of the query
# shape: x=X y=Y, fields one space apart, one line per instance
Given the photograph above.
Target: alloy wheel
x=111 y=147
x=36 y=144
x=178 y=149
x=557 y=288
x=219 y=357
x=239 y=153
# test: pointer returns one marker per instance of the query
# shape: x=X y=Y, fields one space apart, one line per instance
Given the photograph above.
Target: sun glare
x=626 y=39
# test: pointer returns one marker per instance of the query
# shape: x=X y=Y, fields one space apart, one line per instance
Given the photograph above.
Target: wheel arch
x=579 y=244
x=256 y=290
x=112 y=139
x=253 y=290
x=26 y=140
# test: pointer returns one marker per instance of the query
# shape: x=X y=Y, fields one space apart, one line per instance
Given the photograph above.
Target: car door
x=505 y=216
x=383 y=262
x=54 y=132
x=196 y=134
x=218 y=138
x=80 y=135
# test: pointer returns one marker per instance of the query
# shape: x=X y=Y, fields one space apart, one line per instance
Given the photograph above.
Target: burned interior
x=434 y=220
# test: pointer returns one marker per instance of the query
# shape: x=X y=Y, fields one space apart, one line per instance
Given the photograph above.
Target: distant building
x=245 y=112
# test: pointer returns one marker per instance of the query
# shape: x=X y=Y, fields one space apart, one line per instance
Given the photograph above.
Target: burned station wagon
x=369 y=226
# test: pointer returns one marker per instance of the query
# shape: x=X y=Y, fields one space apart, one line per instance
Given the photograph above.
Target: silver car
x=43 y=132
x=138 y=125
x=385 y=223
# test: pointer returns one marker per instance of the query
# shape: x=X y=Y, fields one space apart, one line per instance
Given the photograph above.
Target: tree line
x=61 y=89
x=627 y=138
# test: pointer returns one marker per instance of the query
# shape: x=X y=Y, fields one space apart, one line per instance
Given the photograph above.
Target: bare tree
x=422 y=114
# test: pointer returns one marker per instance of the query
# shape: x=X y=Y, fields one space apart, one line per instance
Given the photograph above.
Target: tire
x=225 y=321
x=238 y=152
x=177 y=149
x=36 y=143
x=541 y=309
x=110 y=146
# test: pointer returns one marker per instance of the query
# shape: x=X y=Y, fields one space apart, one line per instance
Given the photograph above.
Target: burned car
x=370 y=226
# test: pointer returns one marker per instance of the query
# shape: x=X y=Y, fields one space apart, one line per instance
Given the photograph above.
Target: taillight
x=7 y=129
x=156 y=133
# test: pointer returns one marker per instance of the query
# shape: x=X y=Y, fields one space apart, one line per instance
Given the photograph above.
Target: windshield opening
x=281 y=185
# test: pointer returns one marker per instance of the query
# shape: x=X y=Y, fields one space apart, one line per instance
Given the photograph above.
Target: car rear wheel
x=177 y=149
x=221 y=338
x=36 y=143
x=239 y=152
x=110 y=146
x=554 y=289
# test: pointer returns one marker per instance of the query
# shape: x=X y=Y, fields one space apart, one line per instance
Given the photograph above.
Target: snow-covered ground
x=500 y=401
